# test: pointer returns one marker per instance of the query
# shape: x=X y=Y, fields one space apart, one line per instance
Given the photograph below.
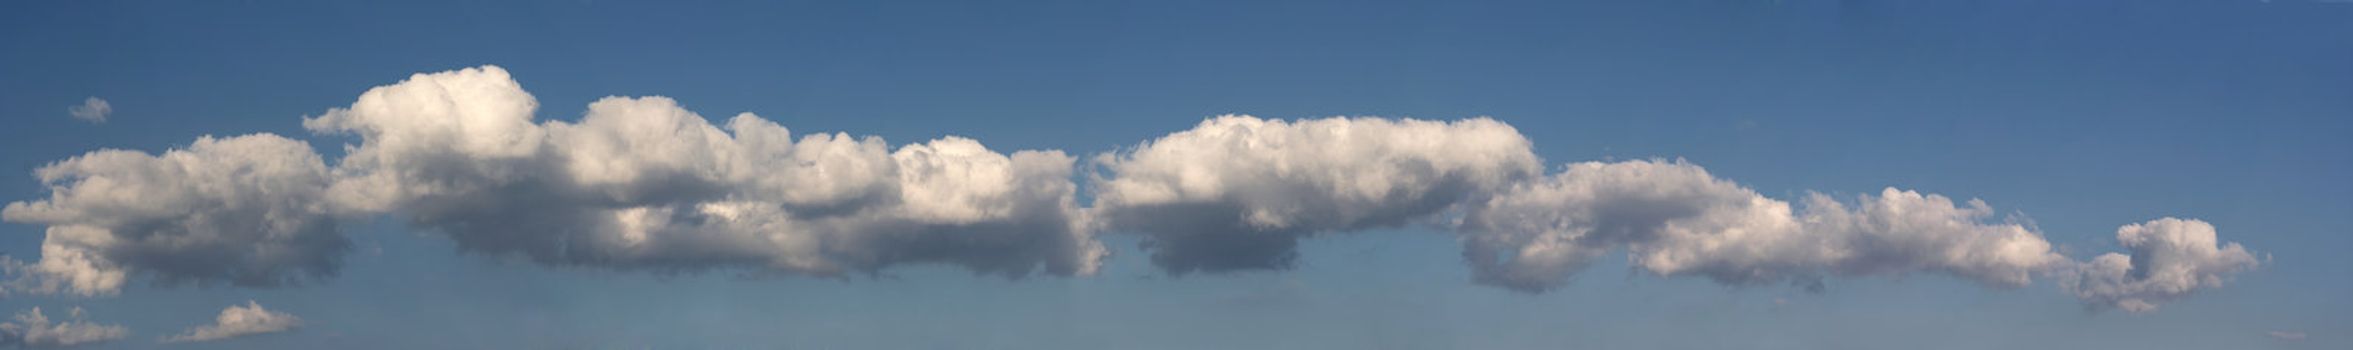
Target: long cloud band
x=644 y=184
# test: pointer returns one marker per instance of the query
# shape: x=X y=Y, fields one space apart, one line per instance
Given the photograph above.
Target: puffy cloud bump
x=239 y=321
x=1238 y=192
x=243 y=210
x=2169 y=258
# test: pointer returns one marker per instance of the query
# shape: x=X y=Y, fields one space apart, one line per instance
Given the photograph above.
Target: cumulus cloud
x=1673 y=218
x=1238 y=192
x=645 y=184
x=93 y=110
x=239 y=321
x=638 y=183
x=642 y=183
x=242 y=210
x=31 y=329
x=2168 y=258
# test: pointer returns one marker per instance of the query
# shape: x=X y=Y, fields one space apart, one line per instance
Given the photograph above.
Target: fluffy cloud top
x=31 y=329
x=642 y=183
x=92 y=109
x=2169 y=259
x=239 y=321
x=242 y=210
x=1238 y=192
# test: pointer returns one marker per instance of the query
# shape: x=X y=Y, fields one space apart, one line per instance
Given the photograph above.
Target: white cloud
x=31 y=329
x=645 y=184
x=1676 y=219
x=93 y=110
x=239 y=321
x=639 y=183
x=642 y=183
x=1238 y=192
x=1673 y=218
x=2168 y=258
x=242 y=210
x=2285 y=335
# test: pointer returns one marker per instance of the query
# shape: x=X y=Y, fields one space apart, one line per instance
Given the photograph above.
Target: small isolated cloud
x=31 y=329
x=92 y=110
x=2285 y=335
x=239 y=321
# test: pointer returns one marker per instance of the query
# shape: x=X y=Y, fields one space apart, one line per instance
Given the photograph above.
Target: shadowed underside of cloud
x=644 y=184
x=243 y=210
x=1238 y=192
x=638 y=183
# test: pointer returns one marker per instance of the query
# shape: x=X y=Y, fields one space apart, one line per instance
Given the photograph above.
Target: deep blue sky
x=2081 y=115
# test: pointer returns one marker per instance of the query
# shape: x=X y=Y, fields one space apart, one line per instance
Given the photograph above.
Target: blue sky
x=2076 y=116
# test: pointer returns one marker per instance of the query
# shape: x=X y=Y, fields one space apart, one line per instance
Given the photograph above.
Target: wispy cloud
x=93 y=109
x=31 y=329
x=2285 y=335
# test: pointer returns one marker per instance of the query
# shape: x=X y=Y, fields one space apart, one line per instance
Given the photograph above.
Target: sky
x=1683 y=174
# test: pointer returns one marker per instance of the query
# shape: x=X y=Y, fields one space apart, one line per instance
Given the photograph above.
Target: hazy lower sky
x=1178 y=175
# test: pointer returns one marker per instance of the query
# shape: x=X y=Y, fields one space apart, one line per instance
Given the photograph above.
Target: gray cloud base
x=244 y=210
x=1238 y=192
x=644 y=184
